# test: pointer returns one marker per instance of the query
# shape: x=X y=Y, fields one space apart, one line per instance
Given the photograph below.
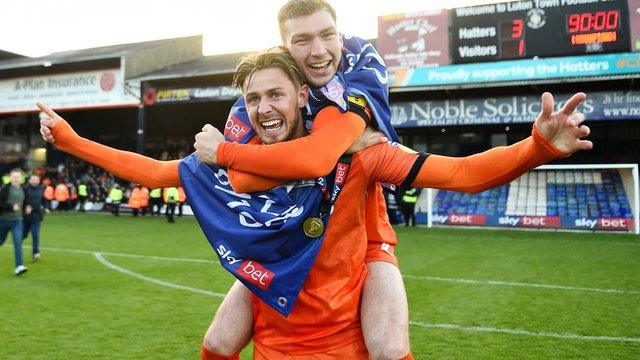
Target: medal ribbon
x=335 y=181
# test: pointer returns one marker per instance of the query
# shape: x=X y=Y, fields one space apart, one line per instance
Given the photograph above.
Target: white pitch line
x=115 y=267
x=485 y=329
x=520 y=284
x=524 y=332
x=412 y=277
x=91 y=252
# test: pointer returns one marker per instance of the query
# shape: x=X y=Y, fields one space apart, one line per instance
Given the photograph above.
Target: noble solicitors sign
x=599 y=106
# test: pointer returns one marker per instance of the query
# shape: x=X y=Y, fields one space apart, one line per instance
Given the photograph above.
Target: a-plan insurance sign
x=102 y=88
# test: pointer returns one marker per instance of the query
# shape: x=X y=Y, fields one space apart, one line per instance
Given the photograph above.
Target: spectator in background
x=48 y=195
x=144 y=200
x=61 y=194
x=134 y=199
x=73 y=195
x=171 y=197
x=11 y=204
x=408 y=204
x=83 y=194
x=116 y=195
x=155 y=201
x=33 y=213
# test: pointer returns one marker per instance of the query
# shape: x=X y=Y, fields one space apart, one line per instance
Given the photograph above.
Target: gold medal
x=313 y=227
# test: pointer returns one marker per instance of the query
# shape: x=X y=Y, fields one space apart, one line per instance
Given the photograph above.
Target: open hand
x=563 y=128
x=369 y=137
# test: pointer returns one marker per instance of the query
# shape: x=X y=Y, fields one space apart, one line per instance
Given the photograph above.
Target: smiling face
x=273 y=104
x=15 y=178
x=313 y=41
x=34 y=180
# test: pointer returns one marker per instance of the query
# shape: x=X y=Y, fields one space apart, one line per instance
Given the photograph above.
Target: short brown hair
x=273 y=58
x=298 y=8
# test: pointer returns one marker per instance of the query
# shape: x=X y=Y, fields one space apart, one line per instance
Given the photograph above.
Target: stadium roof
x=139 y=58
x=208 y=65
x=5 y=55
x=205 y=66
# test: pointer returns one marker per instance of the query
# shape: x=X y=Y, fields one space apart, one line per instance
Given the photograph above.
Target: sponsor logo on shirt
x=387 y=248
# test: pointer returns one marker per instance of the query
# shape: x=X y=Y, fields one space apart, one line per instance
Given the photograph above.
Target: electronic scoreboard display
x=545 y=28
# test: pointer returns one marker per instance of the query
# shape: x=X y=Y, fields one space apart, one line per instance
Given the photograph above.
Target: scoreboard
x=545 y=28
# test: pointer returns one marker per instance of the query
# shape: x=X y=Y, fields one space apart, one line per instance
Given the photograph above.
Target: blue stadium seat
x=577 y=193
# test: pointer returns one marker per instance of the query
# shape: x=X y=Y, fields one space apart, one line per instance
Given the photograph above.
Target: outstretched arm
x=555 y=135
x=243 y=182
x=124 y=164
x=304 y=158
x=483 y=171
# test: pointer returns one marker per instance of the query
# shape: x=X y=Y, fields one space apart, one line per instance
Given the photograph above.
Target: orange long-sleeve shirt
x=308 y=157
x=326 y=314
x=261 y=167
x=126 y=165
x=256 y=168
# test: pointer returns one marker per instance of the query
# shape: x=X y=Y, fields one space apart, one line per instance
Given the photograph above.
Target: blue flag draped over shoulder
x=268 y=253
x=362 y=73
x=257 y=237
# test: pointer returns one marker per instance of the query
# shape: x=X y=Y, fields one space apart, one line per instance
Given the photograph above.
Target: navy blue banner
x=599 y=106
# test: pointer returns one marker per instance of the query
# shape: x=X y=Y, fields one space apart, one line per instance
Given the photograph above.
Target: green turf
x=71 y=306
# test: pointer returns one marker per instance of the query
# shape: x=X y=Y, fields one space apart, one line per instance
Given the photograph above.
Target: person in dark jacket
x=408 y=205
x=11 y=205
x=33 y=213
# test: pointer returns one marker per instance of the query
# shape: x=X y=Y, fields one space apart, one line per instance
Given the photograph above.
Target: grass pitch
x=139 y=288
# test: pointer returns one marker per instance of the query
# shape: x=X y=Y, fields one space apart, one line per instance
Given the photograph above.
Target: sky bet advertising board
x=546 y=222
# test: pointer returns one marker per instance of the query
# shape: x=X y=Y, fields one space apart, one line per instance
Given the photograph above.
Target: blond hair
x=273 y=58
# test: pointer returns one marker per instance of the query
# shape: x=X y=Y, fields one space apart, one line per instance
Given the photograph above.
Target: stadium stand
x=556 y=198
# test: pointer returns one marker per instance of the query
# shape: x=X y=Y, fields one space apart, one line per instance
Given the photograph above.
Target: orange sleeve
x=243 y=182
x=386 y=163
x=488 y=169
x=472 y=174
x=123 y=164
x=308 y=157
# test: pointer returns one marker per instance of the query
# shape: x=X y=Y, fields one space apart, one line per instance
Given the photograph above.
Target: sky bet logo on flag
x=256 y=236
x=255 y=274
